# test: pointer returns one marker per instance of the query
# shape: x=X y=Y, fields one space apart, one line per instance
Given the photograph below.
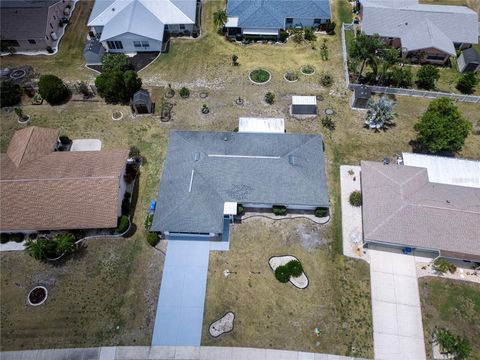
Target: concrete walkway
x=397 y=316
x=167 y=353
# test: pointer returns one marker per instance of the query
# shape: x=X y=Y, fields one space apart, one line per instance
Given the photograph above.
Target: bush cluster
x=42 y=248
x=17 y=237
x=466 y=84
x=269 y=98
x=291 y=269
x=279 y=210
x=442 y=266
x=152 y=238
x=122 y=225
x=321 y=212
x=10 y=94
x=355 y=198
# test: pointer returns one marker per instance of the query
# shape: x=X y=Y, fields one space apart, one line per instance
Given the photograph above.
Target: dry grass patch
x=270 y=314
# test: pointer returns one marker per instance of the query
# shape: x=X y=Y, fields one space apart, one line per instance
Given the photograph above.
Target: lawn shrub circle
x=117 y=115
x=307 y=70
x=37 y=296
x=260 y=76
x=355 y=198
x=282 y=274
x=295 y=268
x=291 y=76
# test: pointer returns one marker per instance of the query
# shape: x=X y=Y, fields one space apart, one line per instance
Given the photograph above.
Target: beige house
x=32 y=25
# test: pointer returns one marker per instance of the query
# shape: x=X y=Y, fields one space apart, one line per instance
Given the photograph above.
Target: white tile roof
x=304 y=100
x=261 y=125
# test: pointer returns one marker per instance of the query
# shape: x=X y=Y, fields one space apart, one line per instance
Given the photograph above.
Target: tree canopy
x=52 y=89
x=442 y=128
x=427 y=76
x=10 y=94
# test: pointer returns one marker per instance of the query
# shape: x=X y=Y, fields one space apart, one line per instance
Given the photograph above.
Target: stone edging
x=313 y=73
x=258 y=83
x=286 y=218
x=41 y=302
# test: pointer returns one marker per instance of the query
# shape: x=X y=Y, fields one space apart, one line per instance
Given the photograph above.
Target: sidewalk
x=167 y=353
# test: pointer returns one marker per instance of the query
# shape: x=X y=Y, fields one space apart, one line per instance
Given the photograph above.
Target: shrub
x=427 y=76
x=4 y=238
x=269 y=98
x=10 y=94
x=148 y=221
x=297 y=35
x=64 y=244
x=291 y=76
x=260 y=76
x=126 y=204
x=17 y=237
x=152 y=238
x=355 y=198
x=283 y=36
x=466 y=84
x=64 y=140
x=452 y=345
x=294 y=268
x=282 y=274
x=308 y=69
x=240 y=209
x=321 y=212
x=134 y=152
x=235 y=60
x=52 y=89
x=83 y=88
x=324 y=51
x=115 y=62
x=326 y=80
x=49 y=50
x=380 y=113
x=399 y=77
x=279 y=210
x=123 y=224
x=328 y=123
x=37 y=248
x=442 y=266
x=330 y=28
x=309 y=34
x=184 y=92
x=205 y=110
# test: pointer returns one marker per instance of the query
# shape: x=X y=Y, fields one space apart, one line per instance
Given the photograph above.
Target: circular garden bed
x=288 y=269
x=17 y=74
x=37 y=296
x=307 y=70
x=260 y=76
x=117 y=115
x=291 y=76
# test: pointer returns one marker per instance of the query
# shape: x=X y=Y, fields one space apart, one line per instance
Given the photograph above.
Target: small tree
x=466 y=84
x=309 y=34
x=235 y=60
x=219 y=18
x=363 y=51
x=111 y=87
x=282 y=274
x=355 y=198
x=442 y=128
x=326 y=79
x=52 y=89
x=10 y=94
x=379 y=113
x=399 y=77
x=269 y=98
x=184 y=92
x=295 y=268
x=427 y=76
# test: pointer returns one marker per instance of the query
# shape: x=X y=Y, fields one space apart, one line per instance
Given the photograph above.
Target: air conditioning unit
x=54 y=36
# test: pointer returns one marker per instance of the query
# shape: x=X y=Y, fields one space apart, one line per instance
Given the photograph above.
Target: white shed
x=304 y=105
x=261 y=125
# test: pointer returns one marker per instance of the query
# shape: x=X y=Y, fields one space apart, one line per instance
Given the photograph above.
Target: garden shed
x=360 y=97
x=304 y=105
x=141 y=102
x=469 y=61
x=93 y=52
x=261 y=125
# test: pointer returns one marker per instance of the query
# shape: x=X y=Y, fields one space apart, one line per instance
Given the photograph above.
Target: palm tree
x=219 y=18
x=365 y=50
x=37 y=248
x=380 y=113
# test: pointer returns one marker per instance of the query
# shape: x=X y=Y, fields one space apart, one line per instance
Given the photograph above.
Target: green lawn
x=454 y=305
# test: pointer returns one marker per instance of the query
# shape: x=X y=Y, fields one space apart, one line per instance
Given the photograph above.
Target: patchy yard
x=269 y=314
x=454 y=305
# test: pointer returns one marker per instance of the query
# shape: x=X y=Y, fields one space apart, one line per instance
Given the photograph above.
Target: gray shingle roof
x=203 y=171
x=471 y=55
x=401 y=21
x=272 y=13
x=401 y=206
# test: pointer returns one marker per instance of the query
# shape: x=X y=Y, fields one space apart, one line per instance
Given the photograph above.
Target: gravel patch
x=223 y=325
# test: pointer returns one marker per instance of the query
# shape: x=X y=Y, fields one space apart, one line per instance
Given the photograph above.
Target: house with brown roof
x=44 y=189
x=409 y=206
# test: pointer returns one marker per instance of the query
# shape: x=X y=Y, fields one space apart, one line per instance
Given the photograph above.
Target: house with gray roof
x=409 y=206
x=31 y=25
x=131 y=26
x=207 y=174
x=424 y=33
x=265 y=18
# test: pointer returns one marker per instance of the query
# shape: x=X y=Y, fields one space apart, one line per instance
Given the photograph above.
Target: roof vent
x=225 y=138
x=113 y=9
x=196 y=156
x=291 y=159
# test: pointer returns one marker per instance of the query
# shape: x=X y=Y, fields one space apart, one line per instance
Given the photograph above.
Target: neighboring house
x=430 y=204
x=265 y=18
x=469 y=61
x=424 y=33
x=131 y=26
x=31 y=25
x=207 y=174
x=44 y=189
x=93 y=52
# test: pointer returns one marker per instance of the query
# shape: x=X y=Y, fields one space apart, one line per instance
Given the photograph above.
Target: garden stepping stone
x=300 y=282
x=223 y=325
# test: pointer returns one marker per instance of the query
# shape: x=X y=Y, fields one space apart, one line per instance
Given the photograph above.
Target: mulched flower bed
x=260 y=76
x=37 y=295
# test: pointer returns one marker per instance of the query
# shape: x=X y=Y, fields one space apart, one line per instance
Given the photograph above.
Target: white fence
x=399 y=91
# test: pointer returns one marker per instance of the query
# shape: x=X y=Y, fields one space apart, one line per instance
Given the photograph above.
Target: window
x=46 y=37
x=145 y=44
x=436 y=57
x=115 y=45
x=31 y=41
x=182 y=27
x=317 y=21
x=137 y=44
x=289 y=21
x=9 y=43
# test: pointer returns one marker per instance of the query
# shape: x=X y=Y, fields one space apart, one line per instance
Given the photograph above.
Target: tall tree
x=442 y=128
x=365 y=50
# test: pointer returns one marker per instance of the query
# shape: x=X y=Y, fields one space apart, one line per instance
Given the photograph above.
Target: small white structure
x=86 y=145
x=261 y=125
x=444 y=170
x=304 y=105
x=229 y=208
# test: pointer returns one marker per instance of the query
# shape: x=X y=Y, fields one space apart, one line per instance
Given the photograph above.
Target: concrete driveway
x=397 y=317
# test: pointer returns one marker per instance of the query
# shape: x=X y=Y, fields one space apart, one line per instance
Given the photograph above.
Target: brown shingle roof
x=401 y=206
x=60 y=190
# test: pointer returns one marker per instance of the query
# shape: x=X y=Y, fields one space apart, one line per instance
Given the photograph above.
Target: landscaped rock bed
x=223 y=325
x=37 y=296
x=300 y=282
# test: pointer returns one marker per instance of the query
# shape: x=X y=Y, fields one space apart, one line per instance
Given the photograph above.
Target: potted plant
x=22 y=118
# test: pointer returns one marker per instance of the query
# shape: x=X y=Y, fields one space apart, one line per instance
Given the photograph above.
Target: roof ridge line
x=445 y=209
x=108 y=7
x=25 y=148
x=380 y=225
x=313 y=137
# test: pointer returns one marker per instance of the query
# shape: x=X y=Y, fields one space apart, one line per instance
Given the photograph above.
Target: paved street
x=397 y=317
